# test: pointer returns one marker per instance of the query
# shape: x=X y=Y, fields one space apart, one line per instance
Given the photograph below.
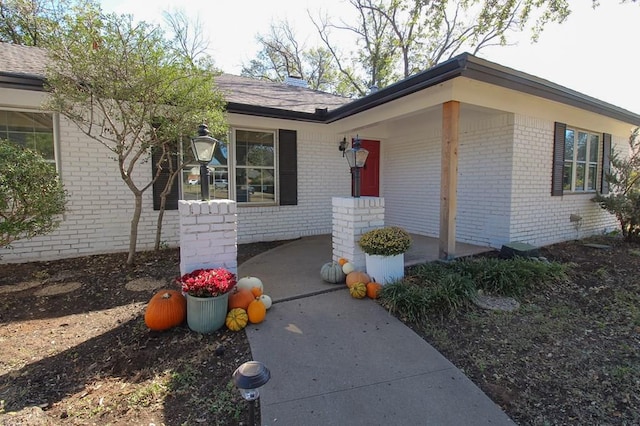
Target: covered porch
x=306 y=256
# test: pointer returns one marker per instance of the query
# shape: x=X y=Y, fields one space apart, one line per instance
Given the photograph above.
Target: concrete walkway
x=336 y=360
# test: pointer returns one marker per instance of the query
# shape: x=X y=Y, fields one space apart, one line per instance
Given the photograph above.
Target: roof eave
x=467 y=65
x=21 y=81
x=319 y=116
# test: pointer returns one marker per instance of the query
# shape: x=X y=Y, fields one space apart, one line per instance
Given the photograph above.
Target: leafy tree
x=282 y=56
x=397 y=38
x=131 y=90
x=623 y=179
x=31 y=195
x=32 y=22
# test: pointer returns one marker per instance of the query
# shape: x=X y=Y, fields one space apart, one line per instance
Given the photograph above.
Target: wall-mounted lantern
x=356 y=157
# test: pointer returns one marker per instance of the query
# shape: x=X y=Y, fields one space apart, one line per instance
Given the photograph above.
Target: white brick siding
x=100 y=206
x=537 y=217
x=504 y=181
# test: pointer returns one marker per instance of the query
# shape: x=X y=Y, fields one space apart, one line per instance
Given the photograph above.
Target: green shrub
x=31 y=195
x=440 y=288
x=415 y=301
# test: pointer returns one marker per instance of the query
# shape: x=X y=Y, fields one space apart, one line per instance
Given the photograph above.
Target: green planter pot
x=206 y=314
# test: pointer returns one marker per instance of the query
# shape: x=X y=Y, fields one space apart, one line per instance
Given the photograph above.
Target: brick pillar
x=352 y=217
x=208 y=235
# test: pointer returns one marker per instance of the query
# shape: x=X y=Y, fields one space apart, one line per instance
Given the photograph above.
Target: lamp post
x=203 y=147
x=248 y=378
x=356 y=157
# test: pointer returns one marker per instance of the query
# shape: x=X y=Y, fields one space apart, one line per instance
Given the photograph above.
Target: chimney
x=296 y=81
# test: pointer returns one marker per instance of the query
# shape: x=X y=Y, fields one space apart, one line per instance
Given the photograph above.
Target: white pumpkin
x=266 y=300
x=248 y=283
x=347 y=268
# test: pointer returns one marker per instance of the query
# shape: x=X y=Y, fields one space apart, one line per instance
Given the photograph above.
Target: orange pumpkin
x=357 y=277
x=373 y=290
x=256 y=312
x=256 y=291
x=342 y=261
x=166 y=309
x=240 y=298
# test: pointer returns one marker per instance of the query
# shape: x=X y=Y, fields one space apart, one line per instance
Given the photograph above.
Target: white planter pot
x=385 y=269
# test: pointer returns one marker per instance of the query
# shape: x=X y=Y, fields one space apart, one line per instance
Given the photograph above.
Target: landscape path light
x=248 y=378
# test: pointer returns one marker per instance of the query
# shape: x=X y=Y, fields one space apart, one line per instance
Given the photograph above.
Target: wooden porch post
x=449 y=179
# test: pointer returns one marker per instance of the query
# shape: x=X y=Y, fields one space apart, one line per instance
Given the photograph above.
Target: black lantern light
x=203 y=147
x=248 y=378
x=356 y=157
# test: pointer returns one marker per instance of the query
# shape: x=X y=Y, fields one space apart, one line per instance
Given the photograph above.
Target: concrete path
x=336 y=360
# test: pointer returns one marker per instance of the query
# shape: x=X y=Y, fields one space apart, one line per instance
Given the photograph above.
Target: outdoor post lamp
x=357 y=157
x=203 y=147
x=248 y=378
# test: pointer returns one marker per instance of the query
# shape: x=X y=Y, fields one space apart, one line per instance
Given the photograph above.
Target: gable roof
x=24 y=67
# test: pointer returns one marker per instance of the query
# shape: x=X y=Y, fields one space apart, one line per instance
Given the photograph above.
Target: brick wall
x=539 y=218
x=100 y=206
x=504 y=182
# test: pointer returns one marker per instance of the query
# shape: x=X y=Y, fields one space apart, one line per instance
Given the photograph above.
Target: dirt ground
x=75 y=349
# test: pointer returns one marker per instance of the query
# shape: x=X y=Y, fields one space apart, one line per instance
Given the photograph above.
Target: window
x=32 y=130
x=218 y=173
x=256 y=167
x=580 y=159
x=255 y=172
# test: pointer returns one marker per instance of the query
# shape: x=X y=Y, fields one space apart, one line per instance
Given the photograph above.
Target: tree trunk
x=133 y=235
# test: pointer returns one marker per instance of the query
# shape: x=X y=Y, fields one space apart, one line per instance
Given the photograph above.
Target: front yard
x=75 y=349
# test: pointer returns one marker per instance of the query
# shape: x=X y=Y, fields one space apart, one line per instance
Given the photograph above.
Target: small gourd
x=240 y=298
x=166 y=309
x=332 y=273
x=266 y=300
x=348 y=268
x=358 y=290
x=236 y=319
x=256 y=291
x=256 y=312
x=249 y=283
x=357 y=277
x=342 y=261
x=373 y=290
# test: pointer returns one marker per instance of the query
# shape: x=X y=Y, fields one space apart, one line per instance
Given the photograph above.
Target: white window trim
x=587 y=163
x=232 y=160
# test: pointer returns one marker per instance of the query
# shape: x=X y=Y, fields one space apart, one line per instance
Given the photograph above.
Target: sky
x=594 y=52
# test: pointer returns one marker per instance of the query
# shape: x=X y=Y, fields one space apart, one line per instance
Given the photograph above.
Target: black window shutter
x=606 y=162
x=159 y=184
x=558 y=158
x=288 y=164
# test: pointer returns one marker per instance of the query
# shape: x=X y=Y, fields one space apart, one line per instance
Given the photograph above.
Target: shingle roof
x=22 y=60
x=23 y=67
x=244 y=90
x=31 y=62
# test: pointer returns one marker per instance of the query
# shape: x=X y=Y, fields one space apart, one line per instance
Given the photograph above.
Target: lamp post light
x=356 y=157
x=248 y=378
x=203 y=147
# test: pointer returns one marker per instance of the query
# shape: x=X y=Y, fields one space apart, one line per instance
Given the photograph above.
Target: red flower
x=207 y=282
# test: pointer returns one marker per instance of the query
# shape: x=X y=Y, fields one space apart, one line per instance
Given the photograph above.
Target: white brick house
x=502 y=127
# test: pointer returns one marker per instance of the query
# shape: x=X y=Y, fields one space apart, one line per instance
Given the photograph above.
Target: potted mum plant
x=207 y=294
x=384 y=250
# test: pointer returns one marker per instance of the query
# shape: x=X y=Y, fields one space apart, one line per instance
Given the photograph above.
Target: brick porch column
x=352 y=217
x=208 y=235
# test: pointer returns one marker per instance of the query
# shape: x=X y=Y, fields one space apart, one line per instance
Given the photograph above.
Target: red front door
x=370 y=174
